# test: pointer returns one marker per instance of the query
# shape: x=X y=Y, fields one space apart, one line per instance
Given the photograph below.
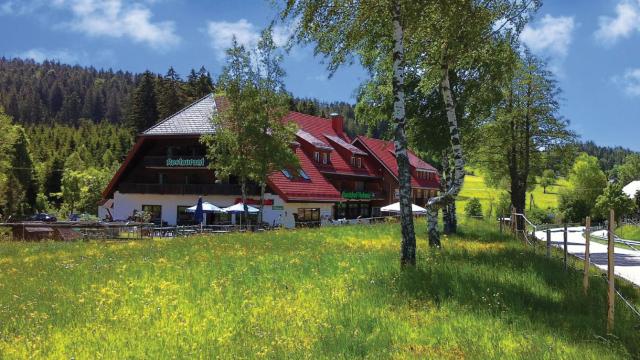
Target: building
x=166 y=171
x=632 y=188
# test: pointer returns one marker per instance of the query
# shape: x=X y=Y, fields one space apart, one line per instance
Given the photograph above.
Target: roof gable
x=384 y=152
x=194 y=119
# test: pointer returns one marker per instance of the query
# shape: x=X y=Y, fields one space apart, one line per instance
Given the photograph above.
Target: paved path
x=627 y=261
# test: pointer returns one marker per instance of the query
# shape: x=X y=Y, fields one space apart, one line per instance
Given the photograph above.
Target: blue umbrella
x=198 y=216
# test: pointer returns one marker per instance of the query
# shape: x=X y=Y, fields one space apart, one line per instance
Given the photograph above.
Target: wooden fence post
x=566 y=234
x=611 y=293
x=548 y=243
x=587 y=235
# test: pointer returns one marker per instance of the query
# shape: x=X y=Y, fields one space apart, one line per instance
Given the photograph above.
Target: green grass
x=475 y=186
x=317 y=293
x=629 y=232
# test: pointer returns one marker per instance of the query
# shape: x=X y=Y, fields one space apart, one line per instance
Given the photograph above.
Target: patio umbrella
x=239 y=209
x=206 y=207
x=198 y=216
x=395 y=208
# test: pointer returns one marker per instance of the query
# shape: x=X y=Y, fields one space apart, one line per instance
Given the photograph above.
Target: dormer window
x=423 y=174
x=359 y=162
x=353 y=161
x=316 y=156
x=325 y=158
x=287 y=174
x=303 y=174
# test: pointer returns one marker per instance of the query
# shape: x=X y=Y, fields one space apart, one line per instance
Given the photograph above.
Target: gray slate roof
x=194 y=119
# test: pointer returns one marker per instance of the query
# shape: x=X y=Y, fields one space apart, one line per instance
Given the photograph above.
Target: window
x=162 y=178
x=358 y=186
x=353 y=161
x=155 y=211
x=359 y=162
x=303 y=174
x=183 y=217
x=287 y=174
x=305 y=214
x=316 y=156
x=325 y=158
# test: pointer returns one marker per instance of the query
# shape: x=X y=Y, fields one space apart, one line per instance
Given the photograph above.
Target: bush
x=540 y=216
x=504 y=205
x=473 y=208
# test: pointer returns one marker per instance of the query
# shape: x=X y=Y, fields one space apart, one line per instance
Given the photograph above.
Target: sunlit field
x=317 y=293
x=629 y=232
x=475 y=186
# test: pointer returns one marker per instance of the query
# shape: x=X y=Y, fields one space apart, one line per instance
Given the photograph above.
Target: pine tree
x=23 y=174
x=144 y=107
x=170 y=97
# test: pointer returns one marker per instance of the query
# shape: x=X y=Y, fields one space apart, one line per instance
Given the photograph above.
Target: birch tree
x=463 y=38
x=371 y=30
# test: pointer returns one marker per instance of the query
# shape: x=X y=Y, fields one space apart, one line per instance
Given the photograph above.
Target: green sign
x=277 y=207
x=189 y=162
x=357 y=195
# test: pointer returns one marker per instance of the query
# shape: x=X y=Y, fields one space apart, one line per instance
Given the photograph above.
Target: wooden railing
x=179 y=189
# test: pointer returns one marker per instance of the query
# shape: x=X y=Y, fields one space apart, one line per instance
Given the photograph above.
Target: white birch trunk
x=408 y=250
x=458 y=171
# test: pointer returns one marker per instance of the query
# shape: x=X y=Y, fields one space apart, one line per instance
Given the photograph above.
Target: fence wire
x=537 y=228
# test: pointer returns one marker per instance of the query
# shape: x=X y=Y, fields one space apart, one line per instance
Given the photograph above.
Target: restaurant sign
x=357 y=195
x=188 y=162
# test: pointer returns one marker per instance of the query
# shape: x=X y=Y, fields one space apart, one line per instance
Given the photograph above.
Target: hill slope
x=475 y=187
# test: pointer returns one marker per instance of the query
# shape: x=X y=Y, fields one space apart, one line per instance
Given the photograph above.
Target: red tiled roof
x=316 y=189
x=322 y=129
x=345 y=145
x=384 y=151
x=312 y=140
x=319 y=132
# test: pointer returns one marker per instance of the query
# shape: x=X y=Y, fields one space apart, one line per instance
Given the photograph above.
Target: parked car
x=43 y=217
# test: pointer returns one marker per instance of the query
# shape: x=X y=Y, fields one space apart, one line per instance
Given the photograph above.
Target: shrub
x=540 y=216
x=473 y=208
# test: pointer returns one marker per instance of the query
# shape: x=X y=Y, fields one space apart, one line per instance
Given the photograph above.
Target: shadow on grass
x=515 y=284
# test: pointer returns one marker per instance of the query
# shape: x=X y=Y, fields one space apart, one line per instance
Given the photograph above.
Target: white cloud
x=626 y=21
x=550 y=36
x=630 y=81
x=115 y=18
x=61 y=55
x=109 y=18
x=221 y=34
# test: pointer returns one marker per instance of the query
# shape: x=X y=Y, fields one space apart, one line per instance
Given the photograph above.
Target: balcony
x=176 y=162
x=186 y=189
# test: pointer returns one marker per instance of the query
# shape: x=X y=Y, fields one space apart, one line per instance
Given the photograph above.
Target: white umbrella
x=239 y=208
x=395 y=208
x=206 y=207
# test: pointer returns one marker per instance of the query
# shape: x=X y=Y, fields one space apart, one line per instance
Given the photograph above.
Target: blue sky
x=593 y=48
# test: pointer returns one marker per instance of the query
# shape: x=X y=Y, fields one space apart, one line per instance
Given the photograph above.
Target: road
x=627 y=262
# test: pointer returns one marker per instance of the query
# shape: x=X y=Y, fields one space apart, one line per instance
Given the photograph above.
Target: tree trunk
x=458 y=160
x=243 y=190
x=408 y=251
x=449 y=218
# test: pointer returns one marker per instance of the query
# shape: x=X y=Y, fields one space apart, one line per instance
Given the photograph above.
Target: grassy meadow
x=629 y=232
x=474 y=186
x=317 y=293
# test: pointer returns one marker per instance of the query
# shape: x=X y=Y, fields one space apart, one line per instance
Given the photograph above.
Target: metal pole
x=566 y=234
